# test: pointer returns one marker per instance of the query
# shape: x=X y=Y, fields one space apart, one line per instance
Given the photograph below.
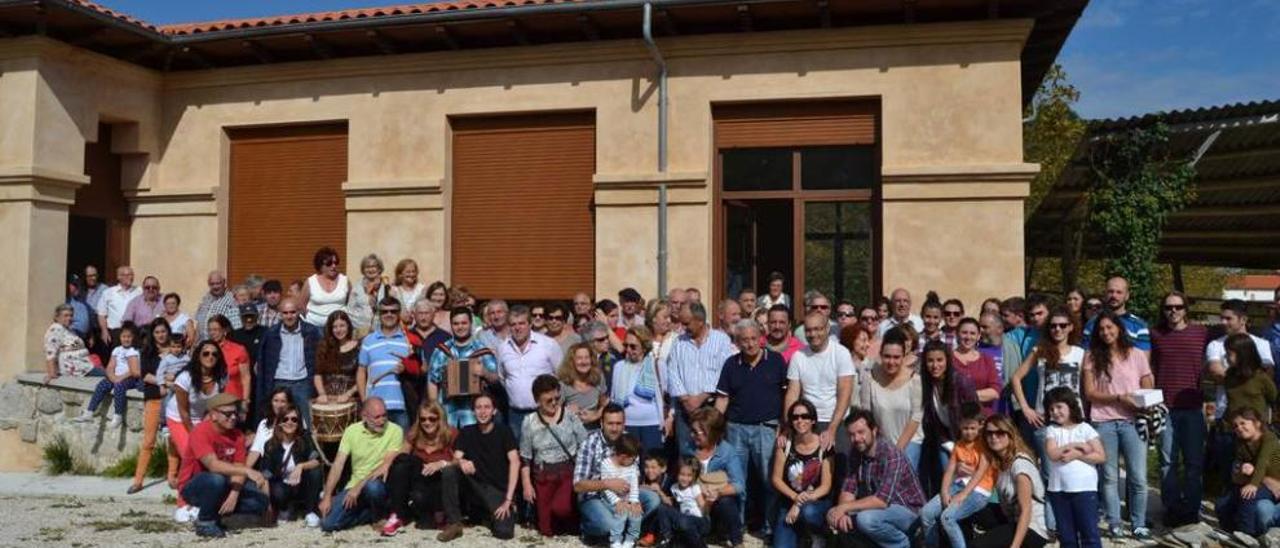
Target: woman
x=638 y=385
x=911 y=344
x=204 y=377
x=239 y=370
x=549 y=441
x=1249 y=505
x=978 y=367
x=991 y=306
x=802 y=474
x=1246 y=385
x=857 y=340
x=896 y=396
x=326 y=291
x=931 y=317
x=336 y=363
x=414 y=481
x=946 y=394
x=582 y=385
x=774 y=295
x=281 y=398
x=1058 y=361
x=373 y=287
x=407 y=288
x=438 y=294
x=293 y=468
x=1075 y=303
x=65 y=353
x=180 y=324
x=660 y=323
x=152 y=396
x=707 y=428
x=608 y=312
x=1113 y=371
x=1020 y=489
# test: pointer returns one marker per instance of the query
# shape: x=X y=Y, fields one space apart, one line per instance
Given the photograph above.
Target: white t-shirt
x=194 y=398
x=819 y=373
x=120 y=357
x=687 y=499
x=1007 y=486
x=1217 y=351
x=1076 y=476
x=260 y=438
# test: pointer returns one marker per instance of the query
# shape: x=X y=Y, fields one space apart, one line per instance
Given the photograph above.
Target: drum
x=329 y=420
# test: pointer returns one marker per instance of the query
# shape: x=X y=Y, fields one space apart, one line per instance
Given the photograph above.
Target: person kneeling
x=371 y=444
x=214 y=472
x=1250 y=503
x=881 y=496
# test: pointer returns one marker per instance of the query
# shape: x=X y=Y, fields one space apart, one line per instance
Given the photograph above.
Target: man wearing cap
x=269 y=308
x=370 y=444
x=632 y=308
x=250 y=336
x=288 y=359
x=214 y=473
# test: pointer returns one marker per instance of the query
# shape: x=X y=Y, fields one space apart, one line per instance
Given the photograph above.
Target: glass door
x=838 y=258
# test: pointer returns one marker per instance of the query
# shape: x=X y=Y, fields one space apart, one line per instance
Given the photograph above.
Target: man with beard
x=370 y=445
x=596 y=513
x=778 y=336
x=881 y=497
x=462 y=346
x=1117 y=300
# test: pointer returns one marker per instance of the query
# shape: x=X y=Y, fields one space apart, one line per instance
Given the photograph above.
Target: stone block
x=28 y=431
x=133 y=418
x=14 y=402
x=1272 y=538
x=48 y=401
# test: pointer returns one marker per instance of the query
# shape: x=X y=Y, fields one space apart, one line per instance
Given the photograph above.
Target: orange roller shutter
x=787 y=124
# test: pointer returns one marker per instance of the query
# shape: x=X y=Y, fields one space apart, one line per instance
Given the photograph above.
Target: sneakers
x=647 y=539
x=186 y=514
x=628 y=544
x=1142 y=533
x=393 y=526
x=451 y=532
x=312 y=520
x=133 y=489
x=210 y=529
x=115 y=421
x=85 y=416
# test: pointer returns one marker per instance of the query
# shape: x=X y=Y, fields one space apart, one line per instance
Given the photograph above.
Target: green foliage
x=157 y=467
x=57 y=457
x=1052 y=137
x=1134 y=188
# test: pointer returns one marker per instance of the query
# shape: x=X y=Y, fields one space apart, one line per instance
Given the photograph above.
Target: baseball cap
x=248 y=309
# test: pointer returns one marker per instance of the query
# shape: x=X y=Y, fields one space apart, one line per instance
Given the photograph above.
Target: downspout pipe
x=662 y=146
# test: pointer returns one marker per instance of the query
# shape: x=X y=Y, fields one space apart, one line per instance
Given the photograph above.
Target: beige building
x=854 y=146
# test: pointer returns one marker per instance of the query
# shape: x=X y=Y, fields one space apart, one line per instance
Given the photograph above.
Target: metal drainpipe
x=662 y=147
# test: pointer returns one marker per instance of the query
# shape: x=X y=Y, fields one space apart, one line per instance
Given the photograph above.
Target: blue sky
x=1127 y=57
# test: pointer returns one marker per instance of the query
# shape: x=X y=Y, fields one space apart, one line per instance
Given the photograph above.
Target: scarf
x=647 y=383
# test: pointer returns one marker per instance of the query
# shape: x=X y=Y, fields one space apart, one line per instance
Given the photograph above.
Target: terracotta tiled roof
x=388 y=11
x=113 y=13
x=1254 y=281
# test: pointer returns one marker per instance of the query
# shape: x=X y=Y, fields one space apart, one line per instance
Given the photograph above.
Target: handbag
x=553 y=471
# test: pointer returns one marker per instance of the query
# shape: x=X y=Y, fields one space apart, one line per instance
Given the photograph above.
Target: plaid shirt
x=587 y=466
x=886 y=474
x=211 y=306
x=268 y=317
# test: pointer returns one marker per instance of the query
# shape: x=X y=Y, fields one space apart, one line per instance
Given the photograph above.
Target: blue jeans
x=1042 y=452
x=401 y=418
x=887 y=527
x=1253 y=517
x=596 y=515
x=301 y=390
x=1182 y=440
x=370 y=507
x=1120 y=436
x=914 y=450
x=207 y=491
x=623 y=527
x=650 y=437
x=515 y=419
x=684 y=436
x=933 y=512
x=119 y=393
x=1077 y=518
x=811 y=522
x=754 y=444
x=684 y=530
x=1224 y=451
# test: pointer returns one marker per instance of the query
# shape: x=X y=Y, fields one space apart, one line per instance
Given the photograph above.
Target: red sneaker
x=393 y=526
x=648 y=539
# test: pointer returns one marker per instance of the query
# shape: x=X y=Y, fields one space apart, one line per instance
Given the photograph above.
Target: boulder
x=48 y=401
x=1246 y=540
x=1272 y=538
x=28 y=431
x=14 y=403
x=133 y=418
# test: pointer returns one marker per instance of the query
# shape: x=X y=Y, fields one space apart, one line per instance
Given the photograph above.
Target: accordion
x=459 y=380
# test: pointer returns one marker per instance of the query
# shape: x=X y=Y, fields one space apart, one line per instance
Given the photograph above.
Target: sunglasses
x=537 y=314
x=601 y=339
x=429 y=419
x=820 y=307
x=1059 y=325
x=331 y=262
x=208 y=354
x=389 y=311
x=996 y=433
x=228 y=414
x=870 y=318
x=952 y=313
x=1174 y=307
x=151 y=287
x=291 y=419
x=555 y=318
x=845 y=315
x=632 y=346
x=801 y=417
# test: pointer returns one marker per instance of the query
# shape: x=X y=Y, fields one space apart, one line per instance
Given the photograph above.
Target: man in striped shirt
x=696 y=359
x=1117 y=301
x=380 y=359
x=1176 y=349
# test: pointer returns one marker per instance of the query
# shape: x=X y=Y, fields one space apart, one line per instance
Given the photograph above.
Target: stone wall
x=39 y=413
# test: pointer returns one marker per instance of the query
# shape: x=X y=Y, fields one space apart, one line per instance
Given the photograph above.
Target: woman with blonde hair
x=414 y=485
x=1021 y=490
x=407 y=288
x=582 y=385
x=663 y=327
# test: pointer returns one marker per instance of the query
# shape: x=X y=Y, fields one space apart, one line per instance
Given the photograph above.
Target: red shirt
x=236 y=357
x=443 y=454
x=1176 y=360
x=793 y=345
x=205 y=439
x=982 y=372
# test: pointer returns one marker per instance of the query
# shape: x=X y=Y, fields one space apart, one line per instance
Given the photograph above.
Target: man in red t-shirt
x=213 y=470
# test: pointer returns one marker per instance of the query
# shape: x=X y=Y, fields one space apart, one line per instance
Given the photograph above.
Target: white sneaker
x=616 y=545
x=115 y=421
x=628 y=544
x=85 y=416
x=184 y=514
x=313 y=520
x=819 y=542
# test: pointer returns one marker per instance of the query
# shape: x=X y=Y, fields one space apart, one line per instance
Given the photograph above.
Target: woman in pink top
x=1113 y=371
x=979 y=367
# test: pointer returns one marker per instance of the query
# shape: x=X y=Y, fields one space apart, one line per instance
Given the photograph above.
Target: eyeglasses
x=429 y=419
x=845 y=315
x=1059 y=325
x=291 y=419
x=869 y=318
x=228 y=414
x=555 y=317
x=995 y=433
x=288 y=312
x=952 y=313
x=537 y=314
x=1174 y=307
x=208 y=354
x=151 y=287
x=601 y=339
x=388 y=311
x=632 y=346
x=801 y=417
x=820 y=307
x=330 y=262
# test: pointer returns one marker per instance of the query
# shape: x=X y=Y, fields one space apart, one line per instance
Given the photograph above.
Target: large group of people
x=391 y=402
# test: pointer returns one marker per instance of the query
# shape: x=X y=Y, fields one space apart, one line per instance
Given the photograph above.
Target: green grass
x=57 y=457
x=156 y=468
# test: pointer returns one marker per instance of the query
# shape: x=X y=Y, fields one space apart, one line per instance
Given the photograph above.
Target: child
x=962 y=495
x=123 y=373
x=626 y=512
x=172 y=361
x=687 y=493
x=684 y=521
x=656 y=481
x=1074 y=451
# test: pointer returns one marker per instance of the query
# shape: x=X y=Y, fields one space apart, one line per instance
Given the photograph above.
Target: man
x=217 y=301
x=952 y=312
x=83 y=318
x=496 y=329
x=632 y=308
x=114 y=301
x=846 y=315
x=1235 y=319
x=521 y=358
x=750 y=394
x=596 y=335
x=538 y=318
x=485 y=477
x=558 y=327
x=694 y=364
x=778 y=337
x=462 y=346
x=900 y=312
x=1019 y=342
x=824 y=374
x=583 y=306
x=1273 y=332
x=597 y=515
x=93 y=287
x=1176 y=349
x=146 y=307
x=214 y=472
x=747 y=300
x=381 y=360
x=695 y=295
x=728 y=314
x=424 y=338
x=288 y=359
x=250 y=336
x=816 y=302
x=678 y=298
x=1013 y=313
x=269 y=310
x=992 y=342
x=1117 y=299
x=371 y=444
x=881 y=497
x=254 y=284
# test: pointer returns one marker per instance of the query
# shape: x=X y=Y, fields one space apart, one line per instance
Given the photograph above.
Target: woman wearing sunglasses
x=414 y=481
x=292 y=466
x=1021 y=490
x=802 y=475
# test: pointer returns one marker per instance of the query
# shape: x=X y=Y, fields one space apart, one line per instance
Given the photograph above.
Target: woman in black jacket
x=292 y=465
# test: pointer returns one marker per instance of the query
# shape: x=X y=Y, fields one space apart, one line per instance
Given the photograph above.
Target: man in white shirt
x=900 y=312
x=497 y=328
x=115 y=300
x=521 y=358
x=1235 y=318
x=729 y=314
x=823 y=373
x=697 y=358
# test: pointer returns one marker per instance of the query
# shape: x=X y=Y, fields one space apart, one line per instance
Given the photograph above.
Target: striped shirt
x=379 y=355
x=696 y=369
x=1136 y=327
x=1176 y=360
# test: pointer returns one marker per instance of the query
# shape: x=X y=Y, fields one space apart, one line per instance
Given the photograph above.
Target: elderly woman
x=639 y=383
x=180 y=324
x=724 y=475
x=1020 y=489
x=775 y=295
x=407 y=288
x=326 y=291
x=801 y=474
x=65 y=353
x=372 y=288
x=548 y=445
x=582 y=385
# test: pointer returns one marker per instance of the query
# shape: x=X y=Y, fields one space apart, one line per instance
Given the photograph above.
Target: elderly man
x=881 y=497
x=558 y=327
x=214 y=472
x=750 y=394
x=83 y=319
x=815 y=301
x=696 y=359
x=728 y=314
x=370 y=445
x=824 y=374
x=632 y=308
x=596 y=334
x=497 y=328
x=217 y=301
x=93 y=287
x=113 y=303
x=462 y=346
x=597 y=515
x=146 y=307
x=250 y=336
x=288 y=359
x=424 y=338
x=521 y=358
x=778 y=332
x=678 y=299
x=900 y=312
x=583 y=306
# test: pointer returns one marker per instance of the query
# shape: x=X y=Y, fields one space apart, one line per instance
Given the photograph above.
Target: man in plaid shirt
x=596 y=512
x=881 y=498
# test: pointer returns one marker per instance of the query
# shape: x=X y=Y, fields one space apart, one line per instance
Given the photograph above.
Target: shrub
x=156 y=468
x=57 y=457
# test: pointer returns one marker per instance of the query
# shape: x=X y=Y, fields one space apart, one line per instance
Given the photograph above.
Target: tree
x=1052 y=135
x=1136 y=184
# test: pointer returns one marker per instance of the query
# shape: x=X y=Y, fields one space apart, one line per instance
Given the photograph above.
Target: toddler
x=123 y=373
x=621 y=465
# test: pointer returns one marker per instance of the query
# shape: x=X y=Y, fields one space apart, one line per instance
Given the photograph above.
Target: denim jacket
x=726 y=460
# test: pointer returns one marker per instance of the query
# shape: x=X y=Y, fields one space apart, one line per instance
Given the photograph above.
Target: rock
x=48 y=401
x=1272 y=538
x=14 y=403
x=27 y=431
x=1246 y=540
x=1190 y=538
x=133 y=418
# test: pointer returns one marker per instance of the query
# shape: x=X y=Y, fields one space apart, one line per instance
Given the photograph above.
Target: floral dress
x=68 y=349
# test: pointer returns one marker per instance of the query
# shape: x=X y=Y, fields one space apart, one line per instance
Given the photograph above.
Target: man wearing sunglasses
x=147 y=306
x=1177 y=350
x=815 y=301
x=881 y=496
x=214 y=473
x=558 y=327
